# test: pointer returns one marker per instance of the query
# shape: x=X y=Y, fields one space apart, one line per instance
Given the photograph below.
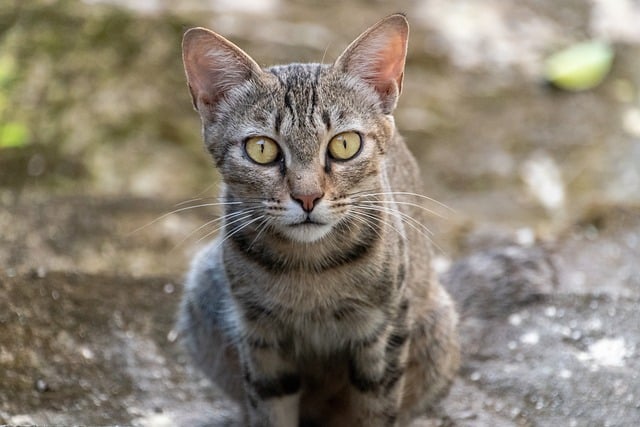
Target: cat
x=316 y=305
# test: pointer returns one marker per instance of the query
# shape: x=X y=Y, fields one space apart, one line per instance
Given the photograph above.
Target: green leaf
x=580 y=67
x=13 y=134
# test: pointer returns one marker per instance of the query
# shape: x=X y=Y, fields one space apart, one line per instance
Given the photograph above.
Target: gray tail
x=496 y=282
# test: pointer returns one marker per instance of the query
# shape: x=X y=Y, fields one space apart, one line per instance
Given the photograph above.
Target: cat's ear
x=378 y=57
x=214 y=66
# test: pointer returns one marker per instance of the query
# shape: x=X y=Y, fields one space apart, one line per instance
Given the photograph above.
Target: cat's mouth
x=307 y=221
x=307 y=231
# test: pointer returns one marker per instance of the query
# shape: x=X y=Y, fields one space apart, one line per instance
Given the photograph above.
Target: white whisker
x=214 y=221
x=175 y=211
x=400 y=215
x=198 y=199
x=408 y=220
x=432 y=212
x=260 y=228
x=237 y=230
x=372 y=217
x=404 y=193
x=243 y=217
x=367 y=220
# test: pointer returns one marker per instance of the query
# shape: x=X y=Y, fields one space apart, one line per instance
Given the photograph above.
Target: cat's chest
x=318 y=313
x=329 y=331
x=324 y=321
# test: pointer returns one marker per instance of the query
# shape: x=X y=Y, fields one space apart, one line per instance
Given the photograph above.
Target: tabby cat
x=317 y=305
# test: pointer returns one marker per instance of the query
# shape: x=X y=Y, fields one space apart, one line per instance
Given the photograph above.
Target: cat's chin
x=307 y=232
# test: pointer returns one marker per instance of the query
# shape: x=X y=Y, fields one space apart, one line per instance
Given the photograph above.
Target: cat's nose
x=307 y=201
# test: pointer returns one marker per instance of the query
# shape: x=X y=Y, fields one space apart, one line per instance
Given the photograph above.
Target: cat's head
x=297 y=144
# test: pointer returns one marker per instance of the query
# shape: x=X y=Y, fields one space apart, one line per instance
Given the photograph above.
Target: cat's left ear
x=378 y=58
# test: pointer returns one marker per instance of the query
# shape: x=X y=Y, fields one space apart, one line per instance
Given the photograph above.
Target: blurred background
x=99 y=143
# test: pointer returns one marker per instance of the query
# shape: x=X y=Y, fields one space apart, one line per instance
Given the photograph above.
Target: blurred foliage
x=12 y=134
x=579 y=67
x=75 y=78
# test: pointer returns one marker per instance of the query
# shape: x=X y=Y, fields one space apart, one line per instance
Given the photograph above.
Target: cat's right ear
x=214 y=66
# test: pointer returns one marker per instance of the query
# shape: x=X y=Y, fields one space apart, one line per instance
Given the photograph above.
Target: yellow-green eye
x=344 y=146
x=261 y=149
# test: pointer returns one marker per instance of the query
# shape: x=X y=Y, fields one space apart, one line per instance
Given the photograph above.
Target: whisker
x=406 y=219
x=186 y=208
x=413 y=223
x=208 y=188
x=373 y=217
x=177 y=245
x=430 y=211
x=197 y=199
x=245 y=216
x=213 y=221
x=237 y=230
x=363 y=219
x=403 y=193
x=260 y=228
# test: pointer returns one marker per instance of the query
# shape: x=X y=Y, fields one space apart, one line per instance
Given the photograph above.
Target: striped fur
x=328 y=316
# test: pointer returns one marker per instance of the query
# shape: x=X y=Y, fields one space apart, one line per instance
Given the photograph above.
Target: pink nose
x=307 y=201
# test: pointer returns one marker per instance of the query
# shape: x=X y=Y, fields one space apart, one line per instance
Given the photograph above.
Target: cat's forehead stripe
x=300 y=99
x=300 y=84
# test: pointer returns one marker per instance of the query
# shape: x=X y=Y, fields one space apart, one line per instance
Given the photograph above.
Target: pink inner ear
x=214 y=66
x=391 y=61
x=196 y=69
x=378 y=57
x=205 y=67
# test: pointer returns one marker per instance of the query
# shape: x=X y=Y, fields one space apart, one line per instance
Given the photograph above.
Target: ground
x=107 y=146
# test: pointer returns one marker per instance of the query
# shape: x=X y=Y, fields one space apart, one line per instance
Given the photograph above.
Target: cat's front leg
x=272 y=386
x=377 y=375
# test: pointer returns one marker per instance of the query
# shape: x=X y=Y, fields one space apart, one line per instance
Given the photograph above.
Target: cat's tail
x=495 y=283
x=498 y=281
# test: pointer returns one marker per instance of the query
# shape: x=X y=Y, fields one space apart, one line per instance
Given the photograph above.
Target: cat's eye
x=262 y=150
x=345 y=146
